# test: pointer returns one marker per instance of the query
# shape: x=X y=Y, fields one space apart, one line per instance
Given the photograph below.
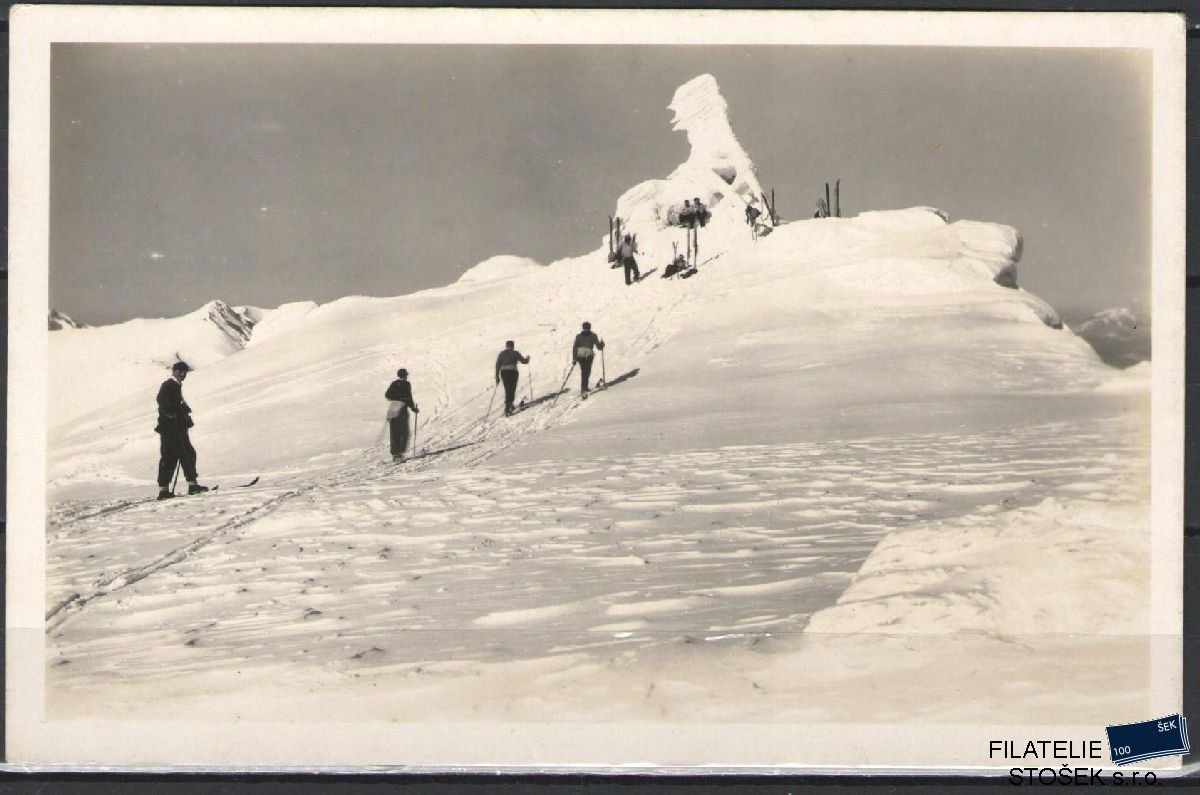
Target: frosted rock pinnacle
x=702 y=113
x=717 y=171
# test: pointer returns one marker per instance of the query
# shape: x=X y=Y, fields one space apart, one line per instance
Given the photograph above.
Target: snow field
x=483 y=565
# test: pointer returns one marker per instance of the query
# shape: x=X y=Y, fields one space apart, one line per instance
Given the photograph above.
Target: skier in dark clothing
x=626 y=252
x=678 y=265
x=400 y=395
x=583 y=353
x=752 y=214
x=506 y=368
x=687 y=215
x=175 y=448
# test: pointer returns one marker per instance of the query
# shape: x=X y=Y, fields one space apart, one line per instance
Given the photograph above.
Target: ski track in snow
x=377 y=566
x=498 y=431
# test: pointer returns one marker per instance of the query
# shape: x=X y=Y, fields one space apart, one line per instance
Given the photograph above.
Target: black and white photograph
x=554 y=390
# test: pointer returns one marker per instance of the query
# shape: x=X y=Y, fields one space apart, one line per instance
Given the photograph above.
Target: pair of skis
x=614 y=242
x=614 y=230
x=770 y=203
x=693 y=242
x=213 y=489
x=605 y=384
x=430 y=453
x=831 y=207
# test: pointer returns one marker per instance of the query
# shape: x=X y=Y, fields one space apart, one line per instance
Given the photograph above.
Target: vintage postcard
x=317 y=459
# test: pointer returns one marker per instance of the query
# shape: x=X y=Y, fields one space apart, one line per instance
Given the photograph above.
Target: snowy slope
x=829 y=438
x=898 y=307
x=92 y=367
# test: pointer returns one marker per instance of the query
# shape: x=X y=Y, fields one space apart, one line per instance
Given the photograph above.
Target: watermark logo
x=1135 y=742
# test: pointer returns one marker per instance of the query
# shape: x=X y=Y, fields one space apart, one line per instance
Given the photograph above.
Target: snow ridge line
x=116 y=582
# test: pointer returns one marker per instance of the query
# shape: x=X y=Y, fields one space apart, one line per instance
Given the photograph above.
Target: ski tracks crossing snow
x=474 y=438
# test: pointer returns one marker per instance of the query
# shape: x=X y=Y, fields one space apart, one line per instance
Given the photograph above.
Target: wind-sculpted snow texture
x=822 y=460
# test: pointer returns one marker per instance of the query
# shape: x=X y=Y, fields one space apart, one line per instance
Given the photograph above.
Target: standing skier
x=400 y=395
x=506 y=368
x=583 y=353
x=626 y=252
x=686 y=215
x=752 y=214
x=175 y=448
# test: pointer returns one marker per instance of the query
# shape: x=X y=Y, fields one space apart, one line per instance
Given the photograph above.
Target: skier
x=627 y=250
x=506 y=368
x=678 y=265
x=687 y=216
x=400 y=395
x=583 y=352
x=175 y=448
x=752 y=214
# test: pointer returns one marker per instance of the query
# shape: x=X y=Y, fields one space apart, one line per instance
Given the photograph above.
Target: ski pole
x=563 y=386
x=530 y=374
x=603 y=373
x=492 y=400
x=416 y=427
x=182 y=453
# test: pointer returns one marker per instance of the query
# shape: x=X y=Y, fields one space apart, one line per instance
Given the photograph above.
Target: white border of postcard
x=614 y=747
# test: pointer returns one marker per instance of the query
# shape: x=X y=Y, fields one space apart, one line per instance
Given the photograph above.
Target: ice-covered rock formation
x=702 y=113
x=60 y=320
x=236 y=326
x=717 y=171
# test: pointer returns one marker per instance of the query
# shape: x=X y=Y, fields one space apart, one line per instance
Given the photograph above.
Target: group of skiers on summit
x=175 y=416
x=691 y=217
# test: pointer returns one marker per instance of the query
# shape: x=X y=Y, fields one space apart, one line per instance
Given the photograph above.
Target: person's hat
x=402 y=373
x=509 y=343
x=586 y=325
x=184 y=366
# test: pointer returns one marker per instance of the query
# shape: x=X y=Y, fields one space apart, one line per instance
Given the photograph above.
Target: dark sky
x=261 y=174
